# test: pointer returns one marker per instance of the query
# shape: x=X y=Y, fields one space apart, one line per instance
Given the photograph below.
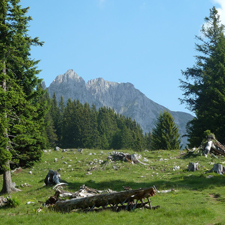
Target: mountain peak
x=67 y=77
x=123 y=97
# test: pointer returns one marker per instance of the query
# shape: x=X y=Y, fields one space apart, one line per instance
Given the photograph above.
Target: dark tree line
x=77 y=125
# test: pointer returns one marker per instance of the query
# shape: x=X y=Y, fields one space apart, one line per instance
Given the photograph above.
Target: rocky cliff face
x=123 y=97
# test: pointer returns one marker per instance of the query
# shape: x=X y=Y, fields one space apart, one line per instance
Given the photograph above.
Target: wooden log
x=104 y=199
x=119 y=208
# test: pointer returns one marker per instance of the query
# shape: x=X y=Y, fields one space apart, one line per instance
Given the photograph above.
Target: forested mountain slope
x=123 y=97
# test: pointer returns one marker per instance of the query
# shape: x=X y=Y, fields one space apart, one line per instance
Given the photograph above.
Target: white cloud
x=221 y=9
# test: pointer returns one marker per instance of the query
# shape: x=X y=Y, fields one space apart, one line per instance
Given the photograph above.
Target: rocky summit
x=123 y=97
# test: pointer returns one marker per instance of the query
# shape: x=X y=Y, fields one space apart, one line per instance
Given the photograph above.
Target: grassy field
x=196 y=199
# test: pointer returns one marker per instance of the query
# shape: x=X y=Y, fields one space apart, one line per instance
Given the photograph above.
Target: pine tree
x=204 y=90
x=21 y=113
x=165 y=135
x=95 y=136
x=55 y=114
x=49 y=132
x=148 y=139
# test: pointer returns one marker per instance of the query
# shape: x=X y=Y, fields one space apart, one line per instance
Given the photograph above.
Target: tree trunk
x=8 y=186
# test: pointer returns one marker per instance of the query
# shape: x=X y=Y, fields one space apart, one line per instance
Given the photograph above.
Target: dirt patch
x=17 y=170
x=214 y=196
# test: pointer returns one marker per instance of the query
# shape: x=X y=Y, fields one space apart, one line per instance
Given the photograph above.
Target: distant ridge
x=123 y=97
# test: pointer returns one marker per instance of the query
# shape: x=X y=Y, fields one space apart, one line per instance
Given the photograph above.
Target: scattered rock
x=88 y=173
x=55 y=160
x=25 y=185
x=192 y=166
x=52 y=177
x=57 y=148
x=28 y=203
x=3 y=201
x=30 y=172
x=80 y=150
x=176 y=168
x=115 y=168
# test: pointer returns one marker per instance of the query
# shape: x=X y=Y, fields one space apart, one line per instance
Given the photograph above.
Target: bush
x=13 y=202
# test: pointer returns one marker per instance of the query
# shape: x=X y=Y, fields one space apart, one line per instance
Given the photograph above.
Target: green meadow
x=195 y=197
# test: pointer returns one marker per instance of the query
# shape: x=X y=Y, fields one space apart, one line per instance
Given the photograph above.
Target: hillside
x=194 y=198
x=123 y=97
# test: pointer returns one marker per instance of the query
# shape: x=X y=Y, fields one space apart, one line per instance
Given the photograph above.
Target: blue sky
x=144 y=42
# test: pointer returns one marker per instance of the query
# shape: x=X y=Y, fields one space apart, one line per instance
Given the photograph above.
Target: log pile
x=95 y=201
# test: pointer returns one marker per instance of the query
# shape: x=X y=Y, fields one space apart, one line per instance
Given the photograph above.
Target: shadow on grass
x=190 y=182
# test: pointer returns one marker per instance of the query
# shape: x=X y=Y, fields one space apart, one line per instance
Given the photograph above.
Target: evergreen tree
x=21 y=113
x=49 y=133
x=165 y=135
x=56 y=118
x=95 y=136
x=148 y=139
x=204 y=90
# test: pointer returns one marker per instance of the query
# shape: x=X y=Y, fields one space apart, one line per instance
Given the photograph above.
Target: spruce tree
x=204 y=88
x=165 y=135
x=21 y=113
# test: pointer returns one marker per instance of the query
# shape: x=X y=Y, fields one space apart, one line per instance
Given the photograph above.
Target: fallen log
x=105 y=200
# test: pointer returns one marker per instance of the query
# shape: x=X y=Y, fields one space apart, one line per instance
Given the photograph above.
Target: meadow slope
x=195 y=199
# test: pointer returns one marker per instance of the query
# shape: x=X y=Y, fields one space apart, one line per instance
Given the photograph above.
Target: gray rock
x=80 y=150
x=192 y=166
x=123 y=97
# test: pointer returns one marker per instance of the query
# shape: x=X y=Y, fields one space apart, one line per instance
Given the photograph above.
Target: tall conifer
x=165 y=135
x=204 y=88
x=21 y=113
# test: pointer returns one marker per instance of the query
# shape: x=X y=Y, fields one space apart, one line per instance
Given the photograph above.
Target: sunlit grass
x=195 y=199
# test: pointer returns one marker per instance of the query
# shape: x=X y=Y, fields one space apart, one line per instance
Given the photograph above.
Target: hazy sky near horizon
x=143 y=42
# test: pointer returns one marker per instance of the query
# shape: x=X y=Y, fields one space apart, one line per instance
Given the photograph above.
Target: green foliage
x=13 y=202
x=21 y=109
x=82 y=126
x=165 y=134
x=204 y=90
